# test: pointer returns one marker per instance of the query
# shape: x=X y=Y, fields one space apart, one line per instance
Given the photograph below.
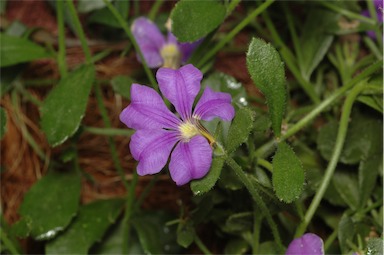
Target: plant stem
x=112 y=145
x=342 y=132
x=155 y=8
x=146 y=191
x=257 y=218
x=257 y=198
x=234 y=32
x=127 y=30
x=232 y=5
x=8 y=243
x=330 y=239
x=61 y=54
x=128 y=213
x=109 y=131
x=265 y=163
x=202 y=246
x=321 y=107
x=80 y=31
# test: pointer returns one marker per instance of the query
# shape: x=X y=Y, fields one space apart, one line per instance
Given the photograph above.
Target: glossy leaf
x=205 y=184
x=267 y=72
x=347 y=186
x=155 y=237
x=88 y=227
x=185 y=234
x=49 y=206
x=315 y=40
x=64 y=107
x=3 y=122
x=15 y=50
x=369 y=170
x=226 y=83
x=288 y=173
x=240 y=129
x=122 y=86
x=192 y=20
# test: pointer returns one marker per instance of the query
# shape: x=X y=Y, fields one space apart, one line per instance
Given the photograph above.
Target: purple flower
x=159 y=132
x=308 y=244
x=158 y=50
x=379 y=12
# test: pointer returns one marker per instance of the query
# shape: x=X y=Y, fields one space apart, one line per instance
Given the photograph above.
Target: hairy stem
x=61 y=54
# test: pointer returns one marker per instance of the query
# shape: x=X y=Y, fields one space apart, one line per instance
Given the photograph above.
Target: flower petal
x=152 y=148
x=308 y=244
x=150 y=41
x=190 y=160
x=147 y=110
x=214 y=104
x=180 y=87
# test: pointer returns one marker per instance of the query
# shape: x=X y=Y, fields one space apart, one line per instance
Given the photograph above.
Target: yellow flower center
x=188 y=130
x=171 y=56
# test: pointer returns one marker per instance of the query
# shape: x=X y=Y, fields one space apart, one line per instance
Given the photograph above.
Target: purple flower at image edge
x=155 y=47
x=379 y=12
x=160 y=133
x=308 y=244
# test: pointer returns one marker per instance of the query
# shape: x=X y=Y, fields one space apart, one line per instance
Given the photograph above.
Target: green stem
x=342 y=132
x=321 y=107
x=292 y=30
x=80 y=31
x=234 y=32
x=8 y=244
x=373 y=13
x=109 y=131
x=202 y=246
x=330 y=239
x=266 y=164
x=128 y=213
x=345 y=12
x=146 y=191
x=61 y=54
x=257 y=218
x=232 y=5
x=112 y=145
x=155 y=9
x=257 y=198
x=127 y=30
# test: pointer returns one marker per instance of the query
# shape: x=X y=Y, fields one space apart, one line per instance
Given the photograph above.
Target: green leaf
x=192 y=20
x=315 y=40
x=240 y=129
x=346 y=232
x=364 y=137
x=267 y=72
x=239 y=222
x=288 y=173
x=49 y=206
x=236 y=246
x=226 y=83
x=369 y=170
x=155 y=237
x=185 y=233
x=205 y=184
x=122 y=85
x=346 y=185
x=375 y=246
x=15 y=50
x=84 y=6
x=88 y=227
x=3 y=122
x=64 y=107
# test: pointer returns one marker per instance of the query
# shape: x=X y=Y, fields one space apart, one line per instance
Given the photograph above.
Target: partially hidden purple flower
x=160 y=133
x=158 y=50
x=308 y=244
x=379 y=12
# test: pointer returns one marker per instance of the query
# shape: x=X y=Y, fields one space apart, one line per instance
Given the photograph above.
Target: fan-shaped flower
x=160 y=133
x=158 y=50
x=308 y=244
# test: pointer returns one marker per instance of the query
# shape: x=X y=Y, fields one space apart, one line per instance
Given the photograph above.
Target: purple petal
x=147 y=110
x=180 y=87
x=186 y=49
x=190 y=160
x=150 y=41
x=214 y=104
x=308 y=244
x=152 y=148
